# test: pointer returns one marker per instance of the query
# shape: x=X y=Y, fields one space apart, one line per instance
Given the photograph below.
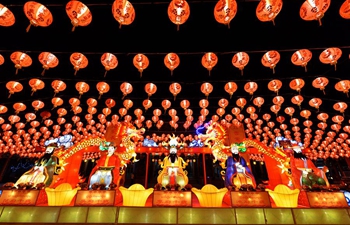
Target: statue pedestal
x=95 y=198
x=327 y=200
x=19 y=197
x=172 y=198
x=250 y=199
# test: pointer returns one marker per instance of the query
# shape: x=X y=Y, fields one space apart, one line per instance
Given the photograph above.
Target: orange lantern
x=323 y=117
x=110 y=103
x=274 y=85
x=109 y=61
x=204 y=103
x=270 y=59
x=241 y=102
x=7 y=17
x=258 y=101
x=102 y=88
x=30 y=116
x=231 y=88
x=74 y=102
x=48 y=60
x=172 y=113
x=297 y=84
x=206 y=88
x=124 y=12
x=166 y=104
x=3 y=109
x=343 y=86
x=78 y=13
x=278 y=100
x=123 y=111
x=268 y=10
x=289 y=111
x=316 y=103
x=82 y=88
x=157 y=112
x=2 y=60
x=240 y=60
x=175 y=89
x=171 y=61
x=204 y=112
x=251 y=87
x=275 y=109
x=209 y=60
x=56 y=102
x=147 y=104
x=127 y=103
x=61 y=112
x=178 y=12
x=185 y=104
x=225 y=11
x=250 y=110
x=19 y=107
x=36 y=84
x=340 y=106
x=20 y=60
x=126 y=88
x=79 y=61
x=58 y=86
x=106 y=111
x=320 y=83
x=37 y=105
x=314 y=10
x=220 y=112
x=14 y=86
x=301 y=58
x=141 y=62
x=37 y=14
x=223 y=103
x=331 y=56
x=150 y=89
x=297 y=100
x=344 y=10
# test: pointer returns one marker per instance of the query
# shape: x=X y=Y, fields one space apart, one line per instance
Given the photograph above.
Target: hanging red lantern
x=56 y=102
x=78 y=13
x=166 y=104
x=102 y=88
x=37 y=14
x=331 y=56
x=289 y=111
x=301 y=58
x=141 y=62
x=314 y=10
x=268 y=10
x=124 y=12
x=231 y=88
x=206 y=88
x=258 y=101
x=240 y=60
x=20 y=60
x=58 y=86
x=127 y=103
x=270 y=59
x=178 y=12
x=175 y=89
x=110 y=103
x=7 y=17
x=320 y=83
x=36 y=84
x=171 y=61
x=13 y=87
x=209 y=60
x=150 y=89
x=79 y=61
x=82 y=88
x=274 y=85
x=204 y=103
x=48 y=60
x=251 y=87
x=340 y=106
x=241 y=102
x=147 y=104
x=109 y=61
x=37 y=105
x=126 y=88
x=19 y=107
x=297 y=84
x=185 y=104
x=2 y=60
x=278 y=100
x=344 y=10
x=3 y=109
x=316 y=103
x=343 y=86
x=297 y=100
x=225 y=11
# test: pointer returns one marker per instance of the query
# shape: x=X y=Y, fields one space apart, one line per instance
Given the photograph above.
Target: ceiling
x=153 y=34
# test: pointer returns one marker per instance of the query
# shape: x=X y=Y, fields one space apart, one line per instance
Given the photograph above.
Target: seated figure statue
x=237 y=171
x=173 y=165
x=43 y=170
x=106 y=170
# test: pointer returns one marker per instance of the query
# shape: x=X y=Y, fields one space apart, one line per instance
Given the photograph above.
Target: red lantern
x=37 y=14
x=58 y=86
x=178 y=12
x=206 y=89
x=301 y=58
x=48 y=60
x=102 y=88
x=166 y=104
x=171 y=61
x=7 y=17
x=20 y=60
x=270 y=59
x=141 y=62
x=150 y=89
x=209 y=60
x=331 y=56
x=314 y=10
x=79 y=61
x=231 y=88
x=78 y=13
x=175 y=89
x=124 y=12
x=268 y=10
x=13 y=86
x=109 y=61
x=225 y=11
x=82 y=88
x=240 y=60
x=126 y=89
x=36 y=84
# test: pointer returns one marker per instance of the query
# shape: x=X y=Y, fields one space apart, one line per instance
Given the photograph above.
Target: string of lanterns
x=109 y=61
x=178 y=12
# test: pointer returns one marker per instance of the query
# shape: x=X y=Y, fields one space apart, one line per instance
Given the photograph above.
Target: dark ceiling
x=153 y=34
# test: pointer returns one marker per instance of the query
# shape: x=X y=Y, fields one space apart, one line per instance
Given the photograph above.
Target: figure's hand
x=305 y=172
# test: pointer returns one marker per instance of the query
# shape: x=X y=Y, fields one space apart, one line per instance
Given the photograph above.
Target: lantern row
x=178 y=12
x=172 y=60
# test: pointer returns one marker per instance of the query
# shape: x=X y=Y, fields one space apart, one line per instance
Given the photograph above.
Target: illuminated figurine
x=173 y=165
x=237 y=171
x=106 y=170
x=43 y=170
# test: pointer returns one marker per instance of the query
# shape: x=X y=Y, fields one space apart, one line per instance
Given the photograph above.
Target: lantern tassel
x=9 y=95
x=305 y=69
x=178 y=27
x=335 y=67
x=79 y=96
x=171 y=72
x=320 y=22
x=105 y=73
x=174 y=97
x=16 y=72
x=42 y=73
x=241 y=72
x=99 y=97
x=28 y=28
x=228 y=25
x=32 y=93
x=123 y=97
x=273 y=22
x=54 y=94
x=120 y=26
x=273 y=70
x=73 y=28
x=230 y=96
x=75 y=73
